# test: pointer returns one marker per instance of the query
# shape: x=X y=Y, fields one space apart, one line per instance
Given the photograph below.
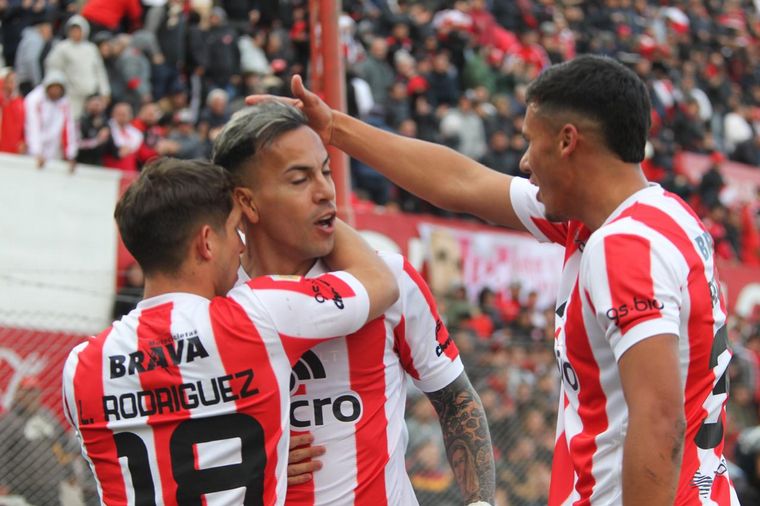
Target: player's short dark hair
x=252 y=129
x=604 y=91
x=159 y=212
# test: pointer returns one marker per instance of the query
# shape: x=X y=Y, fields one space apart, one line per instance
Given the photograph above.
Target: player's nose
x=523 y=165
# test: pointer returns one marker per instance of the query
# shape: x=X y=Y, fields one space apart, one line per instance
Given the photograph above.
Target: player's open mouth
x=327 y=222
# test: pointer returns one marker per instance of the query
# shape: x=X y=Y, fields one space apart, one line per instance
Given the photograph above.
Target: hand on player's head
x=319 y=114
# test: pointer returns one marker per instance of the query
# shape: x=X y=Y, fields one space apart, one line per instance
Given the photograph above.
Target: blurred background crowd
x=114 y=83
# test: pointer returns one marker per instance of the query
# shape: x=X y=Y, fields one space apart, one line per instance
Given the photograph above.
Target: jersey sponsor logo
x=307 y=411
x=158 y=355
x=324 y=291
x=441 y=348
x=637 y=305
x=184 y=396
x=704 y=482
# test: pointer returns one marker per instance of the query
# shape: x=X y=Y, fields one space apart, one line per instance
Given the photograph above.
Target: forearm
x=467 y=439
x=652 y=460
x=431 y=171
x=352 y=254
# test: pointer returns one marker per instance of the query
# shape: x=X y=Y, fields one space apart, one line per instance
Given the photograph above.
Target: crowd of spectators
x=115 y=83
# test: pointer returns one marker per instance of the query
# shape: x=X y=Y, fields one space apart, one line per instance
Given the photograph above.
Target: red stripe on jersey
x=561 y=484
x=326 y=286
x=367 y=370
x=401 y=346
x=241 y=348
x=721 y=490
x=96 y=436
x=297 y=346
x=555 y=232
x=154 y=329
x=591 y=398
x=441 y=332
x=577 y=235
x=632 y=294
x=699 y=379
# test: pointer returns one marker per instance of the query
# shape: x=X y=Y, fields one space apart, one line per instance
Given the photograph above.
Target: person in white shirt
x=640 y=335
x=348 y=396
x=49 y=127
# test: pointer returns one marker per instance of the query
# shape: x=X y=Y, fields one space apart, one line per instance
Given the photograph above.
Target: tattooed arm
x=467 y=439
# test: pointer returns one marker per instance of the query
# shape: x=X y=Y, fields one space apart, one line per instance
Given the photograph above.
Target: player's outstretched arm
x=433 y=172
x=353 y=255
x=653 y=450
x=466 y=438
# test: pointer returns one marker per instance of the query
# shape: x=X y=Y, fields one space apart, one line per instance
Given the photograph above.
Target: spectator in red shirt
x=11 y=116
x=125 y=139
x=109 y=14
x=154 y=142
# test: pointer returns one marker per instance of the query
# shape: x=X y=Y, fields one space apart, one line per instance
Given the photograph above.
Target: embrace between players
x=204 y=401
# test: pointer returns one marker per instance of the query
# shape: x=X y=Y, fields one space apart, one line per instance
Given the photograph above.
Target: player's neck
x=161 y=284
x=260 y=260
x=607 y=188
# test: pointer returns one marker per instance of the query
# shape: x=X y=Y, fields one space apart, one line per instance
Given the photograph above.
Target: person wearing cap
x=50 y=128
x=80 y=62
x=28 y=61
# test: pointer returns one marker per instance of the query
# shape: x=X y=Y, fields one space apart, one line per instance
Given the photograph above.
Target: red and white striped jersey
x=186 y=400
x=669 y=285
x=350 y=394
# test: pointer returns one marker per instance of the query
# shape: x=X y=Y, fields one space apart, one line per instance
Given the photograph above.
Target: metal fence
x=40 y=462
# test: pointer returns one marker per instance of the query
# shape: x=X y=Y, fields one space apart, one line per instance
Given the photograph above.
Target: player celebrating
x=185 y=399
x=349 y=394
x=640 y=334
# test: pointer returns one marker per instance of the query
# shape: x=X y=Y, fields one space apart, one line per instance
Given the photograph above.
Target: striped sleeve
x=630 y=279
x=67 y=386
x=330 y=305
x=426 y=350
x=532 y=214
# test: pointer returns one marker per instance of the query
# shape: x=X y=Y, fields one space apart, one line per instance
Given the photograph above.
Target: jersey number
x=711 y=432
x=192 y=483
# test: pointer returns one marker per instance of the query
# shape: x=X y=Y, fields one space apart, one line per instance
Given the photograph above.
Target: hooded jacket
x=49 y=125
x=80 y=62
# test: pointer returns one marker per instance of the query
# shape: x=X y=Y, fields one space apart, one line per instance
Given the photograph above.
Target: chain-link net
x=515 y=375
x=40 y=459
x=518 y=385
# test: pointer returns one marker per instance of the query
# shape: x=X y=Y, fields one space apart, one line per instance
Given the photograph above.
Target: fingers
x=301 y=473
x=302 y=454
x=299 y=440
x=297 y=87
x=304 y=467
x=258 y=99
x=301 y=478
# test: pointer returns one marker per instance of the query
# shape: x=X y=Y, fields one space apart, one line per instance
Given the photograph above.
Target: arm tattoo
x=467 y=439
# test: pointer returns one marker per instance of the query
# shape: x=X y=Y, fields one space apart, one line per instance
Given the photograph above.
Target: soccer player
x=185 y=399
x=640 y=332
x=348 y=394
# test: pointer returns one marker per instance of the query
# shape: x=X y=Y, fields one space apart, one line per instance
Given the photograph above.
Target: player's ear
x=568 y=139
x=203 y=244
x=244 y=197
